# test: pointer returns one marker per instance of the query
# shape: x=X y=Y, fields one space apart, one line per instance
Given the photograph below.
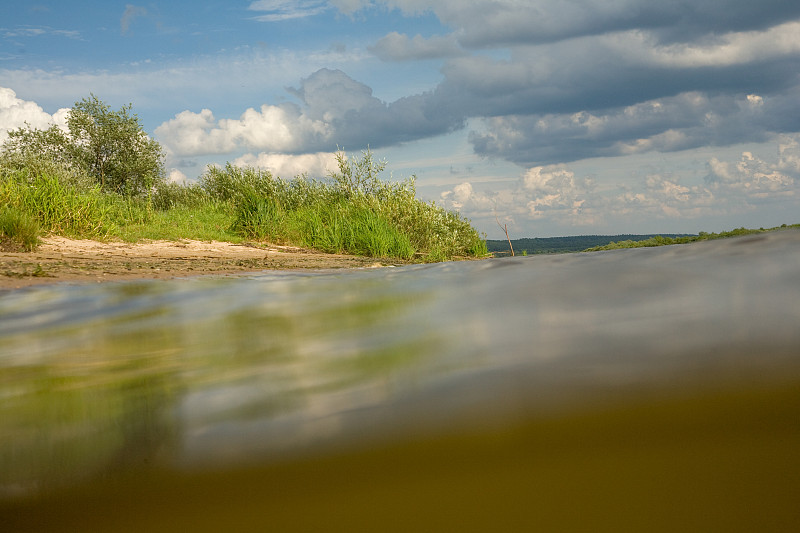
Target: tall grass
x=335 y=228
x=56 y=199
x=353 y=211
x=17 y=230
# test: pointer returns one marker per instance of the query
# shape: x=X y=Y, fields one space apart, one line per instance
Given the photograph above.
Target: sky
x=548 y=117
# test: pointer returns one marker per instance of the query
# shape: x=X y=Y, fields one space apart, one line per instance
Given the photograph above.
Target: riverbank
x=59 y=259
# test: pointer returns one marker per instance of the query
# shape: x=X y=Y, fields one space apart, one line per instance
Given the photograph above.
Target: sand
x=60 y=259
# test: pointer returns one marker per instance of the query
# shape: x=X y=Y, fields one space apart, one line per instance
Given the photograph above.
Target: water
x=99 y=382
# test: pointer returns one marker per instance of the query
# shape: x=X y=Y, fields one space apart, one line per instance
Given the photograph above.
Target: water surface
x=185 y=377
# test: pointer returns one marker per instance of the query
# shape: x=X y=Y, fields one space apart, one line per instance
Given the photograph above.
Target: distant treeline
x=595 y=243
x=562 y=245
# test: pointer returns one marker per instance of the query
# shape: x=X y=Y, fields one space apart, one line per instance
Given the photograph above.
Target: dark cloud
x=600 y=75
x=491 y=23
x=689 y=120
x=577 y=79
x=584 y=79
x=357 y=118
x=334 y=109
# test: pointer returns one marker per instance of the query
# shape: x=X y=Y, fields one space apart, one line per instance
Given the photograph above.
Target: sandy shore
x=59 y=259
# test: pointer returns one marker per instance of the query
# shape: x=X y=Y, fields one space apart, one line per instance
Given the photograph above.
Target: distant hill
x=562 y=245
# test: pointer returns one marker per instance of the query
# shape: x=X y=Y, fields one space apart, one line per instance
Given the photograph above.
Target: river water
x=218 y=374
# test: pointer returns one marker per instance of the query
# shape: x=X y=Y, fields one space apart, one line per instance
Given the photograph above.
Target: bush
x=108 y=146
x=353 y=211
x=171 y=195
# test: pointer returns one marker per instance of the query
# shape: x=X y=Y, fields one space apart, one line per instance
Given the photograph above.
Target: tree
x=109 y=146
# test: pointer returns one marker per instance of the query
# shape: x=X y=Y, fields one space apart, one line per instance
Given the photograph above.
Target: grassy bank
x=351 y=212
x=659 y=240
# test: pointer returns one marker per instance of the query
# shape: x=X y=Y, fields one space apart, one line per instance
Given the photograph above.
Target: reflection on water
x=99 y=381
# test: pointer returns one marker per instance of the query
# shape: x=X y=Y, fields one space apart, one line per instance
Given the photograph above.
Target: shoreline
x=63 y=260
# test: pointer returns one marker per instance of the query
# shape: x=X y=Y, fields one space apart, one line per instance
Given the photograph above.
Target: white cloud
x=789 y=155
x=335 y=110
x=554 y=193
x=554 y=188
x=176 y=176
x=272 y=128
x=753 y=179
x=15 y=113
x=278 y=10
x=38 y=31
x=285 y=165
x=556 y=198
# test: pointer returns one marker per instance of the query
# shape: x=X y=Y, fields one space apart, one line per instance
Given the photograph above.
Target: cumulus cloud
x=554 y=188
x=685 y=121
x=176 y=176
x=278 y=128
x=335 y=110
x=285 y=165
x=16 y=113
x=752 y=178
x=555 y=196
x=729 y=187
x=552 y=191
x=596 y=78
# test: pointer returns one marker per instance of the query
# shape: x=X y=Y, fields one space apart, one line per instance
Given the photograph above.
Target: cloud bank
x=546 y=82
x=334 y=110
x=564 y=199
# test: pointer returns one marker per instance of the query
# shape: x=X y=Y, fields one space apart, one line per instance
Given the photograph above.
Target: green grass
x=209 y=221
x=58 y=204
x=352 y=212
x=702 y=236
x=18 y=230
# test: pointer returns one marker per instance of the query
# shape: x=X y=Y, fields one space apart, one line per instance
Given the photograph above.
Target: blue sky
x=553 y=117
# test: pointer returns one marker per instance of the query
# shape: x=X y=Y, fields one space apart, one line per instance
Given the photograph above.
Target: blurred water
x=101 y=379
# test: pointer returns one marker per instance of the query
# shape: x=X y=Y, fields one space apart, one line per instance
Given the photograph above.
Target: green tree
x=109 y=146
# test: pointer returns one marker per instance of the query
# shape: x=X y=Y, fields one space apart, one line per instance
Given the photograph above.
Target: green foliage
x=560 y=245
x=167 y=196
x=18 y=230
x=108 y=146
x=434 y=232
x=57 y=201
x=340 y=227
x=659 y=240
x=353 y=212
x=207 y=221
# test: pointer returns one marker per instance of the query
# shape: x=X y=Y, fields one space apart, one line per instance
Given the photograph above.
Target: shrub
x=353 y=211
x=108 y=146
